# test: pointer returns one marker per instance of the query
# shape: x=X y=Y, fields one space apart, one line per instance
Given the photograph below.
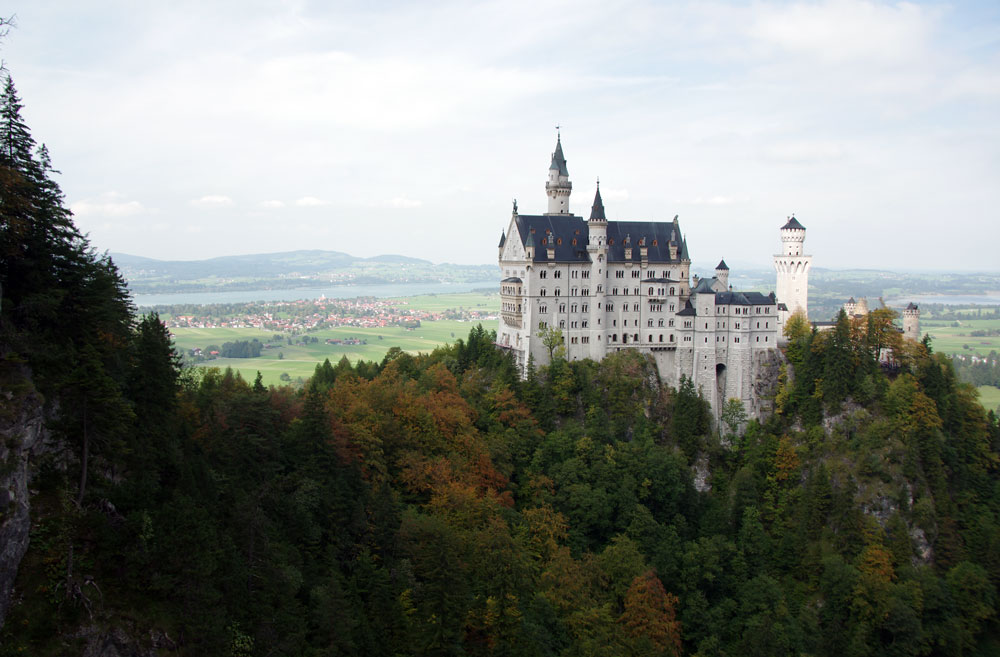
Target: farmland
x=298 y=360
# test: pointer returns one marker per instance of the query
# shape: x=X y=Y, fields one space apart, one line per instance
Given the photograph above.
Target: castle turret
x=722 y=273
x=911 y=322
x=792 y=268
x=558 y=186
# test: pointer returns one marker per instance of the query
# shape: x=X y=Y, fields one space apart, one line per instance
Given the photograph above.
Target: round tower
x=911 y=322
x=792 y=268
x=558 y=186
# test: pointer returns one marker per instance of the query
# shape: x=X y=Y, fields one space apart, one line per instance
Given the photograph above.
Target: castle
x=614 y=285
x=911 y=316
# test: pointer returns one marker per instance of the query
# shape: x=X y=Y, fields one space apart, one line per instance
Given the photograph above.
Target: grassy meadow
x=299 y=361
x=950 y=339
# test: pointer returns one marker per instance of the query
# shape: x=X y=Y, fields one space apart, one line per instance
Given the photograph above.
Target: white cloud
x=311 y=202
x=109 y=204
x=213 y=201
x=612 y=194
x=713 y=200
x=845 y=30
x=804 y=152
x=399 y=203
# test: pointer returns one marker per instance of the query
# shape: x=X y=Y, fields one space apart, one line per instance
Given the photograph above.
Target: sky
x=192 y=129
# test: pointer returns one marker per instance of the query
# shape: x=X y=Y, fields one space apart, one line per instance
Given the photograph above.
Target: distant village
x=313 y=314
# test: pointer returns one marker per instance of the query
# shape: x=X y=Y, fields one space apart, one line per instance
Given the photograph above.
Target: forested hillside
x=438 y=505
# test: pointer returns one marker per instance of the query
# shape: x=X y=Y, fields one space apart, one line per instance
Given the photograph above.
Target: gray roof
x=512 y=279
x=688 y=309
x=743 y=299
x=597 y=210
x=793 y=224
x=558 y=161
x=563 y=229
x=912 y=306
x=503 y=239
x=704 y=287
x=722 y=265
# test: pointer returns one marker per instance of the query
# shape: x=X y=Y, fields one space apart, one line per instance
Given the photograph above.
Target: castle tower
x=597 y=248
x=722 y=273
x=792 y=268
x=911 y=322
x=851 y=307
x=558 y=186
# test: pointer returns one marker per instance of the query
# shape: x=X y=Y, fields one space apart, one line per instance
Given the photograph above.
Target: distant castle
x=911 y=316
x=614 y=285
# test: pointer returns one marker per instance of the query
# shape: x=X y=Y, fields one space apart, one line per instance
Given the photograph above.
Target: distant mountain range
x=259 y=265
x=292 y=269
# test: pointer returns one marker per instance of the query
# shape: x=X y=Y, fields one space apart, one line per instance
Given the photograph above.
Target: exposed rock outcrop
x=22 y=433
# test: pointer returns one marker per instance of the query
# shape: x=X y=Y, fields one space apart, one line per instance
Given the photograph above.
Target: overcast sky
x=187 y=130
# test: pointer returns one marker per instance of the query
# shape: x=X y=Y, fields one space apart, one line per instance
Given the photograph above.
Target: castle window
x=670 y=322
x=650 y=338
x=572 y=324
x=650 y=273
x=650 y=291
x=562 y=323
x=572 y=308
x=625 y=291
x=584 y=323
x=654 y=242
x=559 y=241
x=585 y=308
x=562 y=307
x=758 y=324
x=635 y=307
x=649 y=322
x=635 y=337
x=736 y=339
x=758 y=339
x=574 y=241
x=585 y=274
x=671 y=308
x=557 y=291
x=600 y=288
x=765 y=338
x=574 y=273
x=619 y=274
x=543 y=274
x=636 y=291
x=671 y=291
x=706 y=339
x=557 y=273
x=610 y=242
x=614 y=337
x=542 y=325
x=659 y=322
x=543 y=309
x=767 y=324
x=635 y=274
x=541 y=292
x=585 y=339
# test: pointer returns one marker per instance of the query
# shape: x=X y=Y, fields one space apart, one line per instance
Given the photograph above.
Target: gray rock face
x=22 y=432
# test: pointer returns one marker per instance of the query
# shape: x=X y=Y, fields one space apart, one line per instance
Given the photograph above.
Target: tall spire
x=558 y=187
x=558 y=160
x=597 y=210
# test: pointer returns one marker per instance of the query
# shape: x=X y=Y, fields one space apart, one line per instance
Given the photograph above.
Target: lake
x=330 y=292
x=949 y=299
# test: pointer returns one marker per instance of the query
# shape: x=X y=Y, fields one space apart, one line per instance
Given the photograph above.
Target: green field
x=299 y=361
x=949 y=339
x=989 y=397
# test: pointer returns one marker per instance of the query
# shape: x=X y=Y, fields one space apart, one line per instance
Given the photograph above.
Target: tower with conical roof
x=792 y=268
x=722 y=273
x=558 y=186
x=911 y=322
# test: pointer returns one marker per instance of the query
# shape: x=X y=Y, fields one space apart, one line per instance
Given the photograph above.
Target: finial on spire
x=515 y=206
